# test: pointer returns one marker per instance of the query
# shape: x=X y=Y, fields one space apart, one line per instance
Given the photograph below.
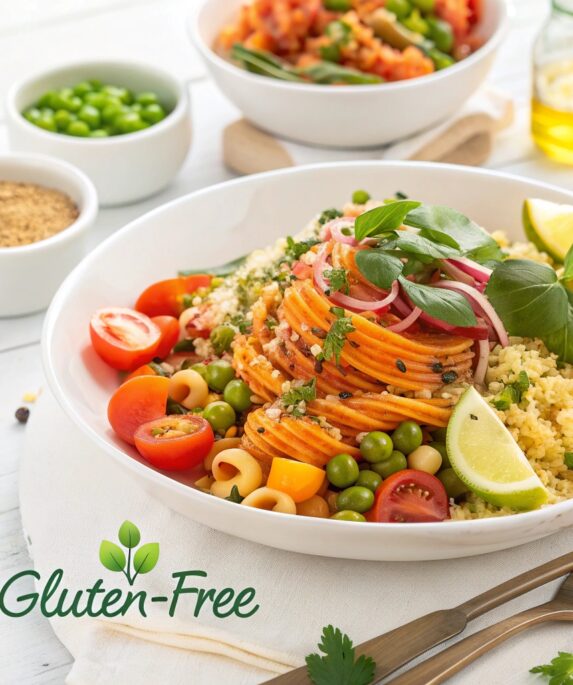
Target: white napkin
x=73 y=496
x=467 y=137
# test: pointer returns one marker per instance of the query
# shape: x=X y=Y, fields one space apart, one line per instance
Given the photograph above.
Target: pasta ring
x=271 y=500
x=248 y=474
x=188 y=388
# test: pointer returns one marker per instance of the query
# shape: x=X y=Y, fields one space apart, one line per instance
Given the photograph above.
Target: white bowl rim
x=483 y=51
x=88 y=193
x=302 y=522
x=178 y=87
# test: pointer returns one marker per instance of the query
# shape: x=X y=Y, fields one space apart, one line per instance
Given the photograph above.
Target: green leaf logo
x=112 y=556
x=114 y=559
x=129 y=535
x=146 y=557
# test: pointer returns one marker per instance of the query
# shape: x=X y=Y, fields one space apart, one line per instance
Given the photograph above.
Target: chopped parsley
x=337 y=280
x=328 y=215
x=568 y=459
x=235 y=495
x=338 y=665
x=336 y=336
x=559 y=671
x=243 y=325
x=297 y=394
x=294 y=250
x=512 y=393
x=271 y=323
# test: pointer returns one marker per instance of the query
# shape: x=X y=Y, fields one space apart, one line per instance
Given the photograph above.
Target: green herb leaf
x=129 y=534
x=560 y=342
x=112 y=556
x=381 y=219
x=441 y=304
x=300 y=393
x=235 y=496
x=339 y=665
x=146 y=557
x=528 y=297
x=559 y=671
x=294 y=250
x=417 y=244
x=337 y=280
x=328 y=72
x=263 y=63
x=222 y=270
x=336 y=336
x=379 y=267
x=445 y=225
x=568 y=266
x=329 y=215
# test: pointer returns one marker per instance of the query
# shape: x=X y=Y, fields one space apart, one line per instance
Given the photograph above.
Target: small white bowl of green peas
x=125 y=124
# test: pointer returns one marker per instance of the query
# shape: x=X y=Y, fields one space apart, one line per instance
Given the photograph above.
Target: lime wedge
x=486 y=457
x=549 y=226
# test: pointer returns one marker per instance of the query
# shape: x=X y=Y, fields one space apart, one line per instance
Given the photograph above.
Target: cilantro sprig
x=336 y=336
x=559 y=671
x=338 y=665
x=295 y=249
x=297 y=394
x=337 y=280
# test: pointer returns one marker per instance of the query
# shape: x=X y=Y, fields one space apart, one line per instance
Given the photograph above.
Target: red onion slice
x=478 y=271
x=481 y=305
x=475 y=332
x=483 y=359
x=407 y=322
x=333 y=229
x=459 y=274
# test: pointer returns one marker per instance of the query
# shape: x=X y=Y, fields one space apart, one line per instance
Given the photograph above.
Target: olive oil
x=552 y=110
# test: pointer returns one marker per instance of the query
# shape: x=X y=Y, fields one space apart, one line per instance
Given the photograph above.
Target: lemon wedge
x=549 y=226
x=487 y=459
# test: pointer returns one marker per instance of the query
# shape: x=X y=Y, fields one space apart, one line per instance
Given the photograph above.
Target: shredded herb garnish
x=328 y=215
x=338 y=280
x=336 y=336
x=294 y=250
x=299 y=393
x=512 y=393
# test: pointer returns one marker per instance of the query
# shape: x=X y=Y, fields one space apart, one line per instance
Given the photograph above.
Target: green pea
x=72 y=103
x=99 y=133
x=415 y=22
x=120 y=93
x=63 y=119
x=441 y=33
x=360 y=197
x=439 y=434
x=443 y=451
x=356 y=498
x=129 y=122
x=401 y=8
x=46 y=99
x=96 y=84
x=32 y=114
x=376 y=446
x=238 y=394
x=147 y=98
x=424 y=5
x=82 y=88
x=395 y=462
x=339 y=31
x=342 y=470
x=46 y=122
x=330 y=53
x=453 y=485
x=440 y=59
x=568 y=460
x=407 y=437
x=91 y=115
x=96 y=99
x=136 y=107
x=338 y=5
x=153 y=113
x=111 y=111
x=200 y=368
x=220 y=415
x=78 y=128
x=348 y=516
x=369 y=479
x=219 y=373
x=221 y=338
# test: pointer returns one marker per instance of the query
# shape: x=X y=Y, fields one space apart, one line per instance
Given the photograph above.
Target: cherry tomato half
x=169 y=327
x=165 y=298
x=135 y=402
x=409 y=496
x=144 y=370
x=174 y=443
x=124 y=338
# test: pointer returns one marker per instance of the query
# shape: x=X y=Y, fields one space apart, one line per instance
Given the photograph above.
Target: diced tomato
x=144 y=370
x=124 y=338
x=169 y=327
x=135 y=402
x=302 y=271
x=165 y=298
x=174 y=443
x=410 y=496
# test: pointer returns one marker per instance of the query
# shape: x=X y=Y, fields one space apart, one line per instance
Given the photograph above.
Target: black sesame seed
x=344 y=395
x=449 y=377
x=401 y=366
x=260 y=430
x=473 y=417
x=437 y=367
x=22 y=414
x=354 y=344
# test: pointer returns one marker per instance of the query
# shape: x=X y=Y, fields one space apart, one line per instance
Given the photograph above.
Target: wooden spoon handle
x=444 y=665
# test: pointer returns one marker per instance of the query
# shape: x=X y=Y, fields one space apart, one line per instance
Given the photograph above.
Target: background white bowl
x=31 y=274
x=217 y=224
x=123 y=168
x=346 y=116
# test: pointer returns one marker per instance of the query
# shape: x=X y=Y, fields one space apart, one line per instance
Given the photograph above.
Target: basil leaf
x=568 y=266
x=561 y=341
x=528 y=297
x=385 y=218
x=380 y=268
x=328 y=72
x=444 y=305
x=416 y=244
x=263 y=63
x=445 y=225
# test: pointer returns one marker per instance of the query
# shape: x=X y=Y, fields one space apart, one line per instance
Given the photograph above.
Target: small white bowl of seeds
x=46 y=209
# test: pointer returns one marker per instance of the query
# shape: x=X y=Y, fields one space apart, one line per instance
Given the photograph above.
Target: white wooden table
x=36 y=34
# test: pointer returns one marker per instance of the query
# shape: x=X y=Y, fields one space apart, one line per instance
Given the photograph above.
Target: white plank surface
x=36 y=33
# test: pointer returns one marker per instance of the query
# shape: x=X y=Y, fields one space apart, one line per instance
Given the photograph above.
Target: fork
x=444 y=665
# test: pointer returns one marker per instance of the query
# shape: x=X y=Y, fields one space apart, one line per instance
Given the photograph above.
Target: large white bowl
x=346 y=116
x=217 y=224
x=123 y=168
x=31 y=274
